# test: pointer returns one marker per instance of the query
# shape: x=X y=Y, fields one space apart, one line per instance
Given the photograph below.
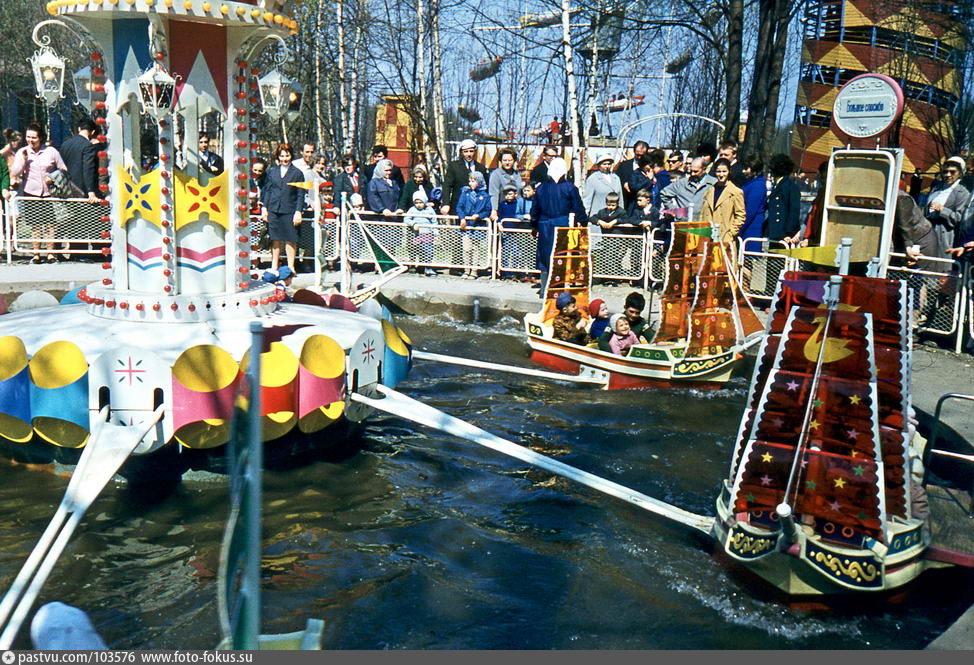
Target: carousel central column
x=180 y=218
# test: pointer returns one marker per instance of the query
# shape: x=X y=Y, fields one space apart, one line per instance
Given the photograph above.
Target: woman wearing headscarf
x=382 y=195
x=947 y=202
x=553 y=203
x=420 y=180
x=600 y=183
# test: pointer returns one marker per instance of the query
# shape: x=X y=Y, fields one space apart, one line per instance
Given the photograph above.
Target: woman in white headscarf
x=554 y=201
x=382 y=195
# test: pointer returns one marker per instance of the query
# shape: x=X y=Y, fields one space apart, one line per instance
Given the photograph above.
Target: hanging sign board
x=867 y=106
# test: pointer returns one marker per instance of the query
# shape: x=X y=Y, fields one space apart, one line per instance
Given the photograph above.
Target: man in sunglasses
x=675 y=165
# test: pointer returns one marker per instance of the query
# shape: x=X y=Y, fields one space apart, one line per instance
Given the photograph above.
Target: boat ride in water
x=706 y=321
x=827 y=492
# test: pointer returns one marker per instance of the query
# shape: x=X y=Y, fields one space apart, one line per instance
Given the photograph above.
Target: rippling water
x=410 y=539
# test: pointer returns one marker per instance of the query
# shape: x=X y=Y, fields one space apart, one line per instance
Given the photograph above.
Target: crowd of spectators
x=743 y=197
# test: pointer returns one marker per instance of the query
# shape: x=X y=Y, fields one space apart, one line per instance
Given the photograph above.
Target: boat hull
x=811 y=566
x=647 y=365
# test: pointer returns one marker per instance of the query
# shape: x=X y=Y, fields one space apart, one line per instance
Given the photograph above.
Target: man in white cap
x=601 y=183
x=457 y=175
x=948 y=201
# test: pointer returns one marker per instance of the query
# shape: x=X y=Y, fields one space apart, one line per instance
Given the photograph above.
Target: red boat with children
x=706 y=322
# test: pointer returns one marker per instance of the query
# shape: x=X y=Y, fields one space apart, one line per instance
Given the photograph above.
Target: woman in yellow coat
x=723 y=204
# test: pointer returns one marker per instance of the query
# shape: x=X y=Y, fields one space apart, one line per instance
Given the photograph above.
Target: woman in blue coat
x=755 y=199
x=282 y=204
x=382 y=195
x=555 y=200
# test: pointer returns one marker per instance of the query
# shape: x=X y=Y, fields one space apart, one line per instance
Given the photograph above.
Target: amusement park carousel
x=162 y=342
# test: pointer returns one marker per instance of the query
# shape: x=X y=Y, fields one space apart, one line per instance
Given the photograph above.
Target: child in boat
x=622 y=337
x=600 y=318
x=419 y=218
x=633 y=311
x=568 y=324
x=281 y=279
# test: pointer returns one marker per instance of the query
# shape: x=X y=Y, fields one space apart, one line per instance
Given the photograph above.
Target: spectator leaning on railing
x=947 y=202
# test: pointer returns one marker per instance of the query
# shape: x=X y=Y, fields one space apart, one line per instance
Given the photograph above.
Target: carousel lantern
x=83 y=88
x=48 y=71
x=295 y=99
x=156 y=88
x=275 y=93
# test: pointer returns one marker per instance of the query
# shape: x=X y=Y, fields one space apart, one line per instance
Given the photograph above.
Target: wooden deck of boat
x=951 y=528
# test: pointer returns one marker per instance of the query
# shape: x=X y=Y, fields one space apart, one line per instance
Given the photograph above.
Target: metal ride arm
x=593 y=377
x=397 y=404
x=110 y=445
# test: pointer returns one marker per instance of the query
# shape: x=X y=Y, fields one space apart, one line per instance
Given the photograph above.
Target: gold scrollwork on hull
x=858 y=572
x=689 y=367
x=749 y=546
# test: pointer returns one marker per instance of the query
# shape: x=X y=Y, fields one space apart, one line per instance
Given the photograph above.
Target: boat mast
x=784 y=509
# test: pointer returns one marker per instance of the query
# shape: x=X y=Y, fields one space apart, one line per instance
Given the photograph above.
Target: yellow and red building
x=918 y=43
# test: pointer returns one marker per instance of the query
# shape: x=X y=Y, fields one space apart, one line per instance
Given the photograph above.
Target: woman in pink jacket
x=33 y=165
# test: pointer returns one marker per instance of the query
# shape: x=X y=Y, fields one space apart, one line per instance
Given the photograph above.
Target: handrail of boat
x=930 y=450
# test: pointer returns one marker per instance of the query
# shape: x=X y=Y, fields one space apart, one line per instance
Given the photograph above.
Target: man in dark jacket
x=784 y=202
x=625 y=170
x=458 y=174
x=81 y=158
x=539 y=173
x=210 y=161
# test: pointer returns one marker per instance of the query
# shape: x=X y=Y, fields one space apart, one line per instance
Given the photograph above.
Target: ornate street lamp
x=48 y=71
x=276 y=91
x=156 y=92
x=83 y=88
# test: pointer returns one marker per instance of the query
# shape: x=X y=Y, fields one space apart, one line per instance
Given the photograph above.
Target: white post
x=343 y=253
x=844 y=252
x=572 y=91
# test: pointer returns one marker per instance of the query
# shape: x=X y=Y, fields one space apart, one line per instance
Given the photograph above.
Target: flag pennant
x=822 y=256
x=305 y=184
x=704 y=231
x=383 y=259
x=812 y=289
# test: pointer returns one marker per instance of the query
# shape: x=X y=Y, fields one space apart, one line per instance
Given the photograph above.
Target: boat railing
x=932 y=450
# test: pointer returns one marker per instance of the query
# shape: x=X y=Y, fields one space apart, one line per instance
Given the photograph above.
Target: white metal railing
x=759 y=268
x=936 y=290
x=54 y=225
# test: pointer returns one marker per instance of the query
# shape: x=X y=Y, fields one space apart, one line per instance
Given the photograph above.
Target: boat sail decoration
x=818 y=498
